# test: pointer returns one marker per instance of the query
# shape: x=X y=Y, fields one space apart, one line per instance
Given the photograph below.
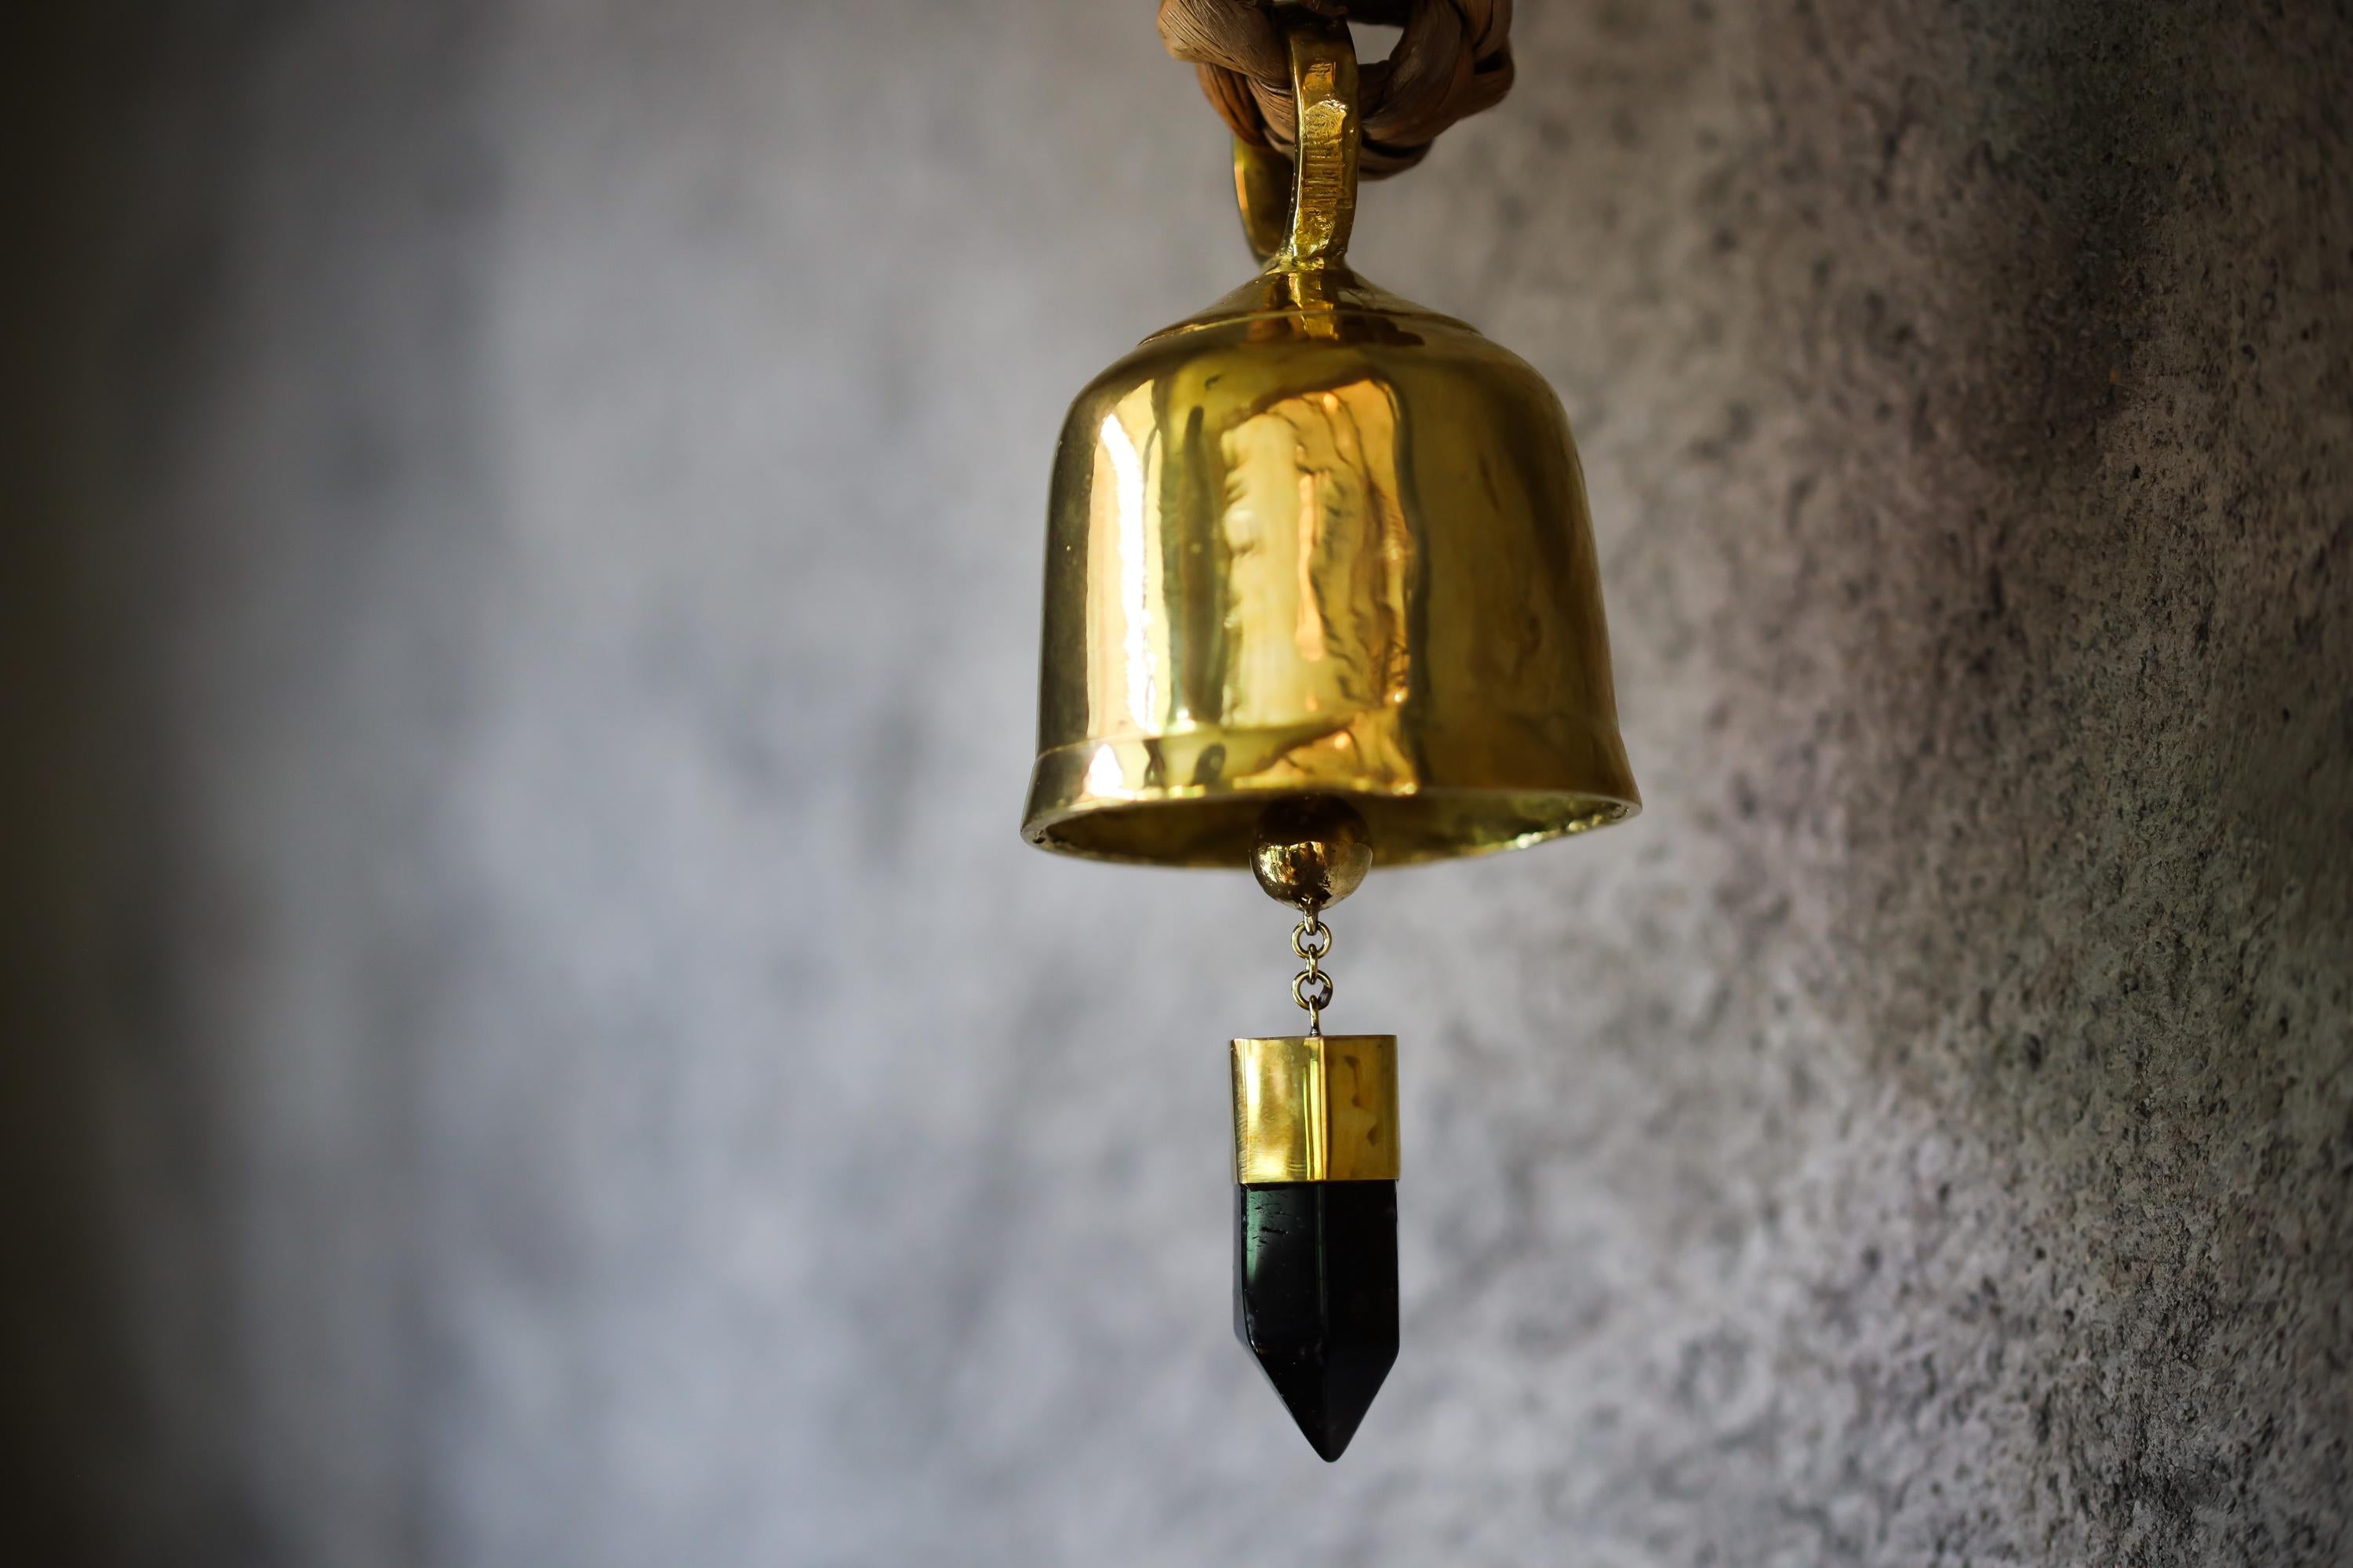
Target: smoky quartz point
x=1315 y=1297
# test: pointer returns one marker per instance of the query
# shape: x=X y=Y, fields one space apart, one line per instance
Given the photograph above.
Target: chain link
x=1310 y=988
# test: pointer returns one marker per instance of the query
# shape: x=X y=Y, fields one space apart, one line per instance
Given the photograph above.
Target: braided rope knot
x=1453 y=59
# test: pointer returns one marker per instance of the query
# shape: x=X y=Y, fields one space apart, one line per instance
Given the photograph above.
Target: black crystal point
x=1315 y=1297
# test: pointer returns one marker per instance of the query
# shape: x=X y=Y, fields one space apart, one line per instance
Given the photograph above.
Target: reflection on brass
x=1319 y=540
x=1316 y=1109
x=1263 y=179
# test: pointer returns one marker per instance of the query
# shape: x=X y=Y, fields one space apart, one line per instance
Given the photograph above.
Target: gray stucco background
x=536 y=1041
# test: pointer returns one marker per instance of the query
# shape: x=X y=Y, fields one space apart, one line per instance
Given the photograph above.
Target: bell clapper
x=1315 y=1154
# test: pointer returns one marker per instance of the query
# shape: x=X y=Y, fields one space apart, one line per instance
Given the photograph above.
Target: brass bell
x=1321 y=593
x=1320 y=540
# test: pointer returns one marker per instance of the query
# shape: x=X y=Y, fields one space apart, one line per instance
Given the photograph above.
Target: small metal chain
x=1310 y=988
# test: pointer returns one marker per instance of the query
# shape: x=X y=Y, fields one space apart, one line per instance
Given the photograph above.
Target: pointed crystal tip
x=1316 y=1298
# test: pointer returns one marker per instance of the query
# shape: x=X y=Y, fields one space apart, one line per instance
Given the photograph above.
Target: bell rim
x=1606 y=811
x=1560 y=808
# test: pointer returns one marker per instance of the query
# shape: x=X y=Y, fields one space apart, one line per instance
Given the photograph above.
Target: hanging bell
x=1320 y=589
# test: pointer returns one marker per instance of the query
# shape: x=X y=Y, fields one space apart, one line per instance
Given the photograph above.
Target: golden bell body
x=1319 y=540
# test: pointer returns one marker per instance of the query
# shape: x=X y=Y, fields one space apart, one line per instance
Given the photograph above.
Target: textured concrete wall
x=534 y=1040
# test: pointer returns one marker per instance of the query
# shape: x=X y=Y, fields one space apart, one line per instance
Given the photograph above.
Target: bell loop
x=1298 y=212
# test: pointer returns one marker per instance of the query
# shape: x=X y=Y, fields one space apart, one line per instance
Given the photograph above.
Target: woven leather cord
x=1453 y=59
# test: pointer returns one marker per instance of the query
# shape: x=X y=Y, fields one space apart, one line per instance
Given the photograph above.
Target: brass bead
x=1313 y=851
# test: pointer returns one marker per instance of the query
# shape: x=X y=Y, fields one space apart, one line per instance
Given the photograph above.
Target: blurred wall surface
x=532 y=1038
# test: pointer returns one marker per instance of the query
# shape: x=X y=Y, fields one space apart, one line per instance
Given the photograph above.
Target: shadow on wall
x=2083 y=530
x=95 y=1000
